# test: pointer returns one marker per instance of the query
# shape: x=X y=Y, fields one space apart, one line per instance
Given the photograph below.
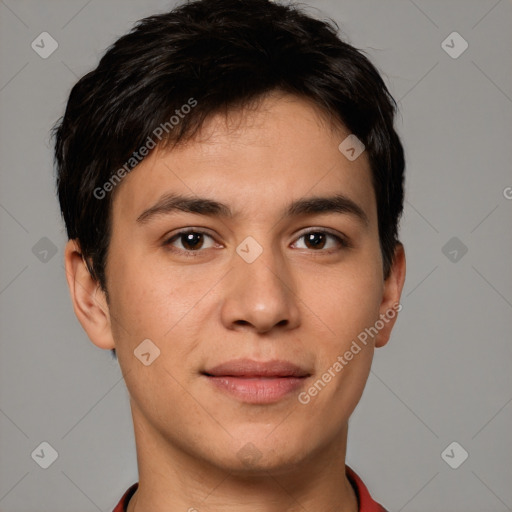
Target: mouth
x=257 y=382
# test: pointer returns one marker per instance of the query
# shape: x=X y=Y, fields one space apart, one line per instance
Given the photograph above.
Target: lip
x=257 y=382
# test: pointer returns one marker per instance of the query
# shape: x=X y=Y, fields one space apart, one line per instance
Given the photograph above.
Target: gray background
x=445 y=375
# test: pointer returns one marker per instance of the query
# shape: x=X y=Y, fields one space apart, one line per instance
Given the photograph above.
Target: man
x=231 y=184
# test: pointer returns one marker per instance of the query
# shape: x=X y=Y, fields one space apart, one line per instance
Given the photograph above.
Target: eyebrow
x=170 y=203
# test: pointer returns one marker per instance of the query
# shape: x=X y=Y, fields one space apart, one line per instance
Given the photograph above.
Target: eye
x=318 y=240
x=189 y=241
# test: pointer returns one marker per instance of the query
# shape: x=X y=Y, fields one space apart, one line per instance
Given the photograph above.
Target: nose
x=260 y=296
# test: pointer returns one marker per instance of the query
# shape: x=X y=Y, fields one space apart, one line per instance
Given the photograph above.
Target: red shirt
x=366 y=503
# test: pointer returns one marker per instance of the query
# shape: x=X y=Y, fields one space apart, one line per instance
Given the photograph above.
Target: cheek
x=346 y=302
x=148 y=300
x=167 y=305
x=346 y=307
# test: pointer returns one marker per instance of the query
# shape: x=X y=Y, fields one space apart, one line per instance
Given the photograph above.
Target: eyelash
x=343 y=243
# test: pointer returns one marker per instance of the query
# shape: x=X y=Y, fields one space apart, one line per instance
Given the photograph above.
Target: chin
x=263 y=464
x=263 y=454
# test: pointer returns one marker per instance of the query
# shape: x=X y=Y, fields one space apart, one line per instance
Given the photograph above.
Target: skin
x=295 y=302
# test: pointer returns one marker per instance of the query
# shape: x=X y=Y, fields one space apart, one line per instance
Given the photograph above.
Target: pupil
x=191 y=240
x=315 y=239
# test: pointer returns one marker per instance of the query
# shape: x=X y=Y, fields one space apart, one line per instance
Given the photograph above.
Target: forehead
x=255 y=160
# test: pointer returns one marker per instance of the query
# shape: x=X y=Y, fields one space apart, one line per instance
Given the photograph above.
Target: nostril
x=242 y=322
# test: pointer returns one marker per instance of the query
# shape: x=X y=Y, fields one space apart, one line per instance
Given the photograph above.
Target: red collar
x=366 y=503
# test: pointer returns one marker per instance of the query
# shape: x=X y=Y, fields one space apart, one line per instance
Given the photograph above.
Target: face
x=255 y=287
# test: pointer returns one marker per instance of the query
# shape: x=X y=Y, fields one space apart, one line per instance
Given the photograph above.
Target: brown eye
x=315 y=240
x=191 y=241
x=320 y=240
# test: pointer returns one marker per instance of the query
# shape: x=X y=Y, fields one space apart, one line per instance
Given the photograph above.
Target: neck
x=171 y=480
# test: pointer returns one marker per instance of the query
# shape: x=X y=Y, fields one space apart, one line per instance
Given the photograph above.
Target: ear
x=390 y=305
x=89 y=301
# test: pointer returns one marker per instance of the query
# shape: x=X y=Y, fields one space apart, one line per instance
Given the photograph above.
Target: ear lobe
x=390 y=305
x=89 y=301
